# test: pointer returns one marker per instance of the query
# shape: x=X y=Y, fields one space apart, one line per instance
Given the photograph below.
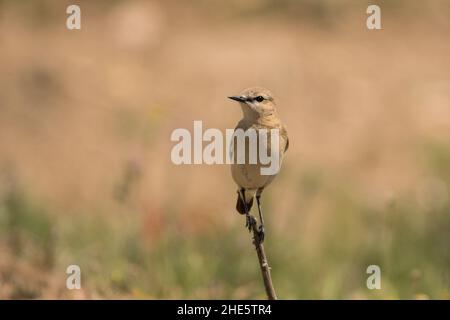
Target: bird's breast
x=247 y=173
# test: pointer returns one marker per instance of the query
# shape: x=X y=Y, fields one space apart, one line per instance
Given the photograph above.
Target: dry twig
x=263 y=263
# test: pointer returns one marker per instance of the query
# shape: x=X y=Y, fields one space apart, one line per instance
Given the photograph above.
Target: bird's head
x=256 y=102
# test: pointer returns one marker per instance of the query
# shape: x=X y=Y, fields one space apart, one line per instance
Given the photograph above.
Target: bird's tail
x=240 y=206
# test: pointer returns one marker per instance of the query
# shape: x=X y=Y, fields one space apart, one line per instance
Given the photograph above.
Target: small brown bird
x=259 y=112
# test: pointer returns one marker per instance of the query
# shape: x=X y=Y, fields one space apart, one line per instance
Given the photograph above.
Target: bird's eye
x=259 y=98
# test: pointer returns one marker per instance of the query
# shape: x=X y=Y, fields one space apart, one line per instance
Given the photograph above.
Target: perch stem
x=263 y=263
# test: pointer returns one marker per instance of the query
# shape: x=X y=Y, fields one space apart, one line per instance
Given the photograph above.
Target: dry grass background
x=85 y=170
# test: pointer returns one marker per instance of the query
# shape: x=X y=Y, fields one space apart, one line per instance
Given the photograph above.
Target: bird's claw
x=249 y=222
x=261 y=234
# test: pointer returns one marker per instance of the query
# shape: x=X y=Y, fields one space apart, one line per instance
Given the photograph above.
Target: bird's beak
x=237 y=98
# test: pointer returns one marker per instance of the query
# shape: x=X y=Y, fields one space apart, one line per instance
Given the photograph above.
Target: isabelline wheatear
x=259 y=112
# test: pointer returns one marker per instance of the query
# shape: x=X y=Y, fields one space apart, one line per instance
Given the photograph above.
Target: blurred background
x=85 y=170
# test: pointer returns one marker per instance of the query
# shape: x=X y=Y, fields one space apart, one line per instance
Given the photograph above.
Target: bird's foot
x=249 y=222
x=261 y=233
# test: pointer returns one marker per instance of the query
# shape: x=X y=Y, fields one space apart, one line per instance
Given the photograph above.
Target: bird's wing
x=285 y=136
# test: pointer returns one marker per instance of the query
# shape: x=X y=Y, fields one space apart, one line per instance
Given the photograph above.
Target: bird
x=259 y=112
